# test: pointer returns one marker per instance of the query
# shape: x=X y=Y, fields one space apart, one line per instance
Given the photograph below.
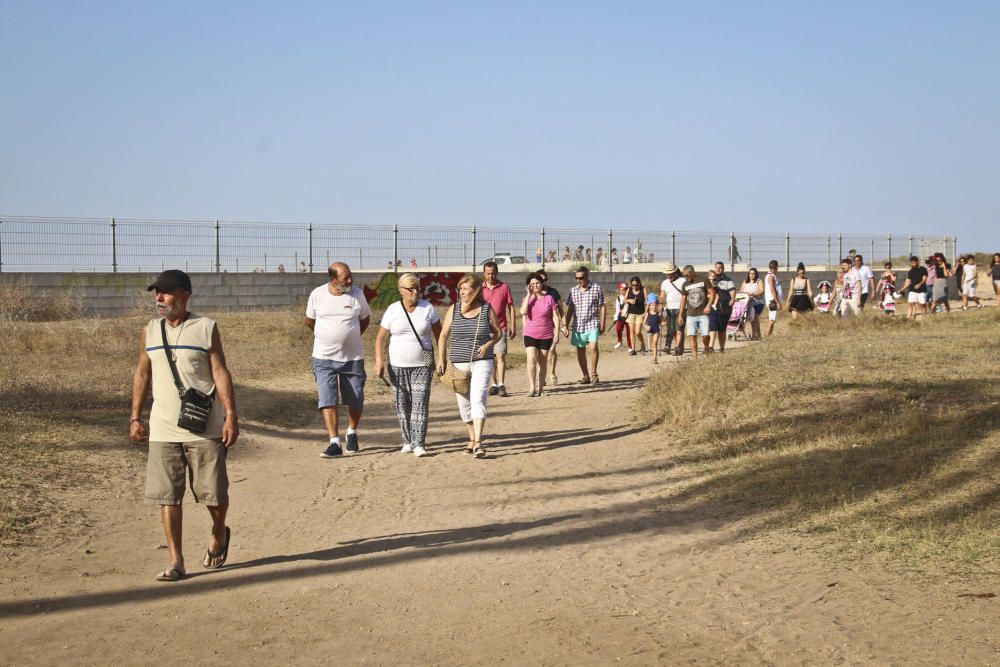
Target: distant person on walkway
x=553 y=354
x=939 y=294
x=725 y=288
x=698 y=294
x=850 y=289
x=281 y=268
x=671 y=291
x=566 y=256
x=540 y=330
x=753 y=287
x=599 y=259
x=338 y=315
x=886 y=290
x=995 y=275
x=303 y=268
x=627 y=255
x=586 y=310
x=473 y=329
x=621 y=317
x=614 y=256
x=635 y=300
x=410 y=325
x=800 y=293
x=867 y=279
x=587 y=256
x=734 y=253
x=970 y=279
x=916 y=289
x=772 y=295
x=178 y=341
x=497 y=294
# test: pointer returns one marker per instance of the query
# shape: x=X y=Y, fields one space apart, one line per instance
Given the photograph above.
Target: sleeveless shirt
x=463 y=335
x=191 y=345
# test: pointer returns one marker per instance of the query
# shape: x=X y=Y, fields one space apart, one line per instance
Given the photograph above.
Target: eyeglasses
x=409 y=289
x=581 y=277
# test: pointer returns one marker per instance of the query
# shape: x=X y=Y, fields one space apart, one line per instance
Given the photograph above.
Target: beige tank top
x=190 y=341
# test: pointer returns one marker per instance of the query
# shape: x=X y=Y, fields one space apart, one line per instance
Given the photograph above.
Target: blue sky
x=745 y=116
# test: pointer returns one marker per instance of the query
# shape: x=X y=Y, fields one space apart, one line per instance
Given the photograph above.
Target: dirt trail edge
x=566 y=546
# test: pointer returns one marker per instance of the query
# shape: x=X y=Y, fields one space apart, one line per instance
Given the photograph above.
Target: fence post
x=395 y=247
x=840 y=246
x=909 y=245
x=673 y=246
x=310 y=248
x=114 y=247
x=749 y=250
x=543 y=247
x=217 y=264
x=888 y=248
x=1 y=246
x=829 y=251
x=954 y=249
x=788 y=252
x=732 y=251
x=607 y=255
x=473 y=248
x=871 y=258
x=710 y=250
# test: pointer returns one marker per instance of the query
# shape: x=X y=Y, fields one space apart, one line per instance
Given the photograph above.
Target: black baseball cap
x=170 y=280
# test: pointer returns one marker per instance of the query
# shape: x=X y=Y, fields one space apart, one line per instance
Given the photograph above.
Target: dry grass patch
x=880 y=432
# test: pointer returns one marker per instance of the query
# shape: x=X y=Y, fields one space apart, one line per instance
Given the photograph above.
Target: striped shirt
x=464 y=340
x=586 y=307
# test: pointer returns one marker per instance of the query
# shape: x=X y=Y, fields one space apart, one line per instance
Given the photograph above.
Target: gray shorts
x=501 y=346
x=340 y=382
x=205 y=464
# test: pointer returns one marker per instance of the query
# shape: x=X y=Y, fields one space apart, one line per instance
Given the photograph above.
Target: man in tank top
x=192 y=343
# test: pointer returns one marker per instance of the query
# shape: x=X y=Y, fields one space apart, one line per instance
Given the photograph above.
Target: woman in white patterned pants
x=410 y=325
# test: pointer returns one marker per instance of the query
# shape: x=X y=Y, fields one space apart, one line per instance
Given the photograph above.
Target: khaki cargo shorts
x=501 y=346
x=636 y=320
x=204 y=461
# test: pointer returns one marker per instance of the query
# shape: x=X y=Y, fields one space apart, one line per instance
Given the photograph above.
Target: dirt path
x=565 y=547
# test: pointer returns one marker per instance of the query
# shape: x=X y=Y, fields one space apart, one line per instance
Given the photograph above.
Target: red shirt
x=499 y=298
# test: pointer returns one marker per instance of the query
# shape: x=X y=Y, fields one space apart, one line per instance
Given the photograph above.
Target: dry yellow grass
x=882 y=434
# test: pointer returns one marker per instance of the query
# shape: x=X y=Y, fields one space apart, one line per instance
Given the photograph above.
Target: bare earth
x=569 y=545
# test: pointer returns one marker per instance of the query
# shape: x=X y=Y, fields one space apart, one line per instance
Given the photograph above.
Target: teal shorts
x=585 y=338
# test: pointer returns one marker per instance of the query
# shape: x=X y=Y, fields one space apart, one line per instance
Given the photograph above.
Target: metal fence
x=126 y=245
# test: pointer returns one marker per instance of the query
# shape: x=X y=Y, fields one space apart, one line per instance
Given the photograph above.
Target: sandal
x=594 y=379
x=224 y=554
x=471 y=447
x=171 y=574
x=584 y=380
x=479 y=451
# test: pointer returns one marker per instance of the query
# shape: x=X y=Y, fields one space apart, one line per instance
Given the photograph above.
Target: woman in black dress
x=800 y=293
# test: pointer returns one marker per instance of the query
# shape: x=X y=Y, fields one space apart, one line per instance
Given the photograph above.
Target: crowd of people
x=193 y=421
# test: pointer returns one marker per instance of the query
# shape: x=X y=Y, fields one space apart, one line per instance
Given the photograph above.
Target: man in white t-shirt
x=671 y=291
x=338 y=314
x=867 y=278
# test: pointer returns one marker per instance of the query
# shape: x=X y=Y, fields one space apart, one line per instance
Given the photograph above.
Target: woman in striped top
x=473 y=329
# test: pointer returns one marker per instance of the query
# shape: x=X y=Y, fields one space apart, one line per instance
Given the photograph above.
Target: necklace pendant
x=173 y=357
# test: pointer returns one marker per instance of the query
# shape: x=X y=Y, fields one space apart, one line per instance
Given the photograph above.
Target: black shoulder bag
x=196 y=406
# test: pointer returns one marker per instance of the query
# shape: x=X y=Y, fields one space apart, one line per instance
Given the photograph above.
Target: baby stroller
x=738 y=318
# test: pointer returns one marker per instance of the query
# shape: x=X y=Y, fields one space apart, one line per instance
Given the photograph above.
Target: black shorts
x=864 y=298
x=540 y=343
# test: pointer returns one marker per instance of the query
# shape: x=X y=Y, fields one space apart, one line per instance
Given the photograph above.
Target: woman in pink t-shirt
x=540 y=331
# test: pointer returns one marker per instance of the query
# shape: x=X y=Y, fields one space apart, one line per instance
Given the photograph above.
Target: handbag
x=196 y=406
x=457 y=380
x=428 y=354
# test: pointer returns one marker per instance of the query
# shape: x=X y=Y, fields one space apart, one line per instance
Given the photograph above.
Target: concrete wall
x=106 y=294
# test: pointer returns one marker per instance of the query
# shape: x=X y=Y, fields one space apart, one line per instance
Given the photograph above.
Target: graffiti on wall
x=441 y=289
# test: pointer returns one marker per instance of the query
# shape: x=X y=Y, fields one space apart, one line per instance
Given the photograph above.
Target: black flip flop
x=224 y=554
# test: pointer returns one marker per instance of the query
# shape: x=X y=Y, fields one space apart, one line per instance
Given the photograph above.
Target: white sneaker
x=618 y=346
x=419 y=451
x=407 y=449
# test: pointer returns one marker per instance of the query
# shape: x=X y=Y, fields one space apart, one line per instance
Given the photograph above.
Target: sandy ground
x=564 y=547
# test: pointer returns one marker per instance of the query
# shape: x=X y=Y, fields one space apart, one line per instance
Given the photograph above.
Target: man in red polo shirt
x=497 y=294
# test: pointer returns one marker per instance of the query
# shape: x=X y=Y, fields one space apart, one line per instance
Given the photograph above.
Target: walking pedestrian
x=867 y=278
x=725 y=288
x=338 y=315
x=473 y=329
x=540 y=330
x=553 y=351
x=192 y=423
x=653 y=318
x=940 y=292
x=410 y=325
x=671 y=291
x=995 y=275
x=886 y=290
x=850 y=291
x=800 y=293
x=753 y=287
x=586 y=310
x=621 y=317
x=970 y=279
x=635 y=300
x=916 y=289
x=772 y=295
x=497 y=294
x=698 y=293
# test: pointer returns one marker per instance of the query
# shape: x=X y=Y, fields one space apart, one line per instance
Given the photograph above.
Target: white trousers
x=473 y=406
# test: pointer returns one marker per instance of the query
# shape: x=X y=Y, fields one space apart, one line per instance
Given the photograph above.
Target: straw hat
x=669 y=268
